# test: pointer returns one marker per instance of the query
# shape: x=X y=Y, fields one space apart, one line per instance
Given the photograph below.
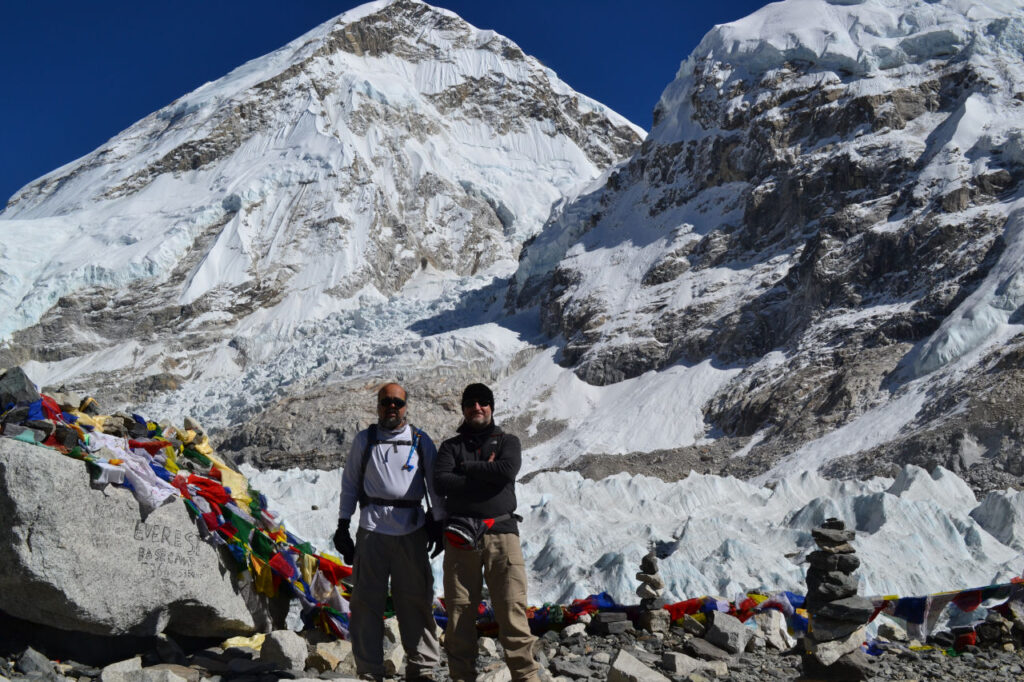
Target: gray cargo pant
x=403 y=559
x=500 y=562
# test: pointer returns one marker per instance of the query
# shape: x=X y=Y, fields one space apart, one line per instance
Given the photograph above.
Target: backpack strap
x=407 y=504
x=417 y=444
x=372 y=439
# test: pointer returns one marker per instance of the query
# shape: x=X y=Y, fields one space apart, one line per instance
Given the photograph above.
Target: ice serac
x=83 y=559
x=294 y=219
x=829 y=207
x=720 y=536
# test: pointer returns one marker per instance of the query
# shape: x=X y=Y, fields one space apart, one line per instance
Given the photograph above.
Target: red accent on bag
x=457 y=541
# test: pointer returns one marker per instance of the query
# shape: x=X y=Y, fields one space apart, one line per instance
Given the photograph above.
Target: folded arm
x=503 y=468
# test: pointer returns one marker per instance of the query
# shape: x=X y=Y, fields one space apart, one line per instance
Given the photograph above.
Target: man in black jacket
x=476 y=474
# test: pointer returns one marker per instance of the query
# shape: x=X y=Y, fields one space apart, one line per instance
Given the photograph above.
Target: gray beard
x=392 y=423
x=473 y=426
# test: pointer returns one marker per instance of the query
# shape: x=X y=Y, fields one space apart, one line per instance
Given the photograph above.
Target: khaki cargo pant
x=404 y=559
x=500 y=562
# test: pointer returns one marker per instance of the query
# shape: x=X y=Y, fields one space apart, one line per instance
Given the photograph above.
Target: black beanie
x=477 y=393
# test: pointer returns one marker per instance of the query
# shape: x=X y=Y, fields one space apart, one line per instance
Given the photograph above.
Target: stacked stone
x=1000 y=632
x=609 y=623
x=652 y=617
x=837 y=615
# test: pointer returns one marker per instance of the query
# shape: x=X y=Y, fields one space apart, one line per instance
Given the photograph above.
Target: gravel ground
x=576 y=657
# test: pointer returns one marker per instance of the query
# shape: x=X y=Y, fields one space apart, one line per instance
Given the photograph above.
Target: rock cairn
x=837 y=615
x=652 y=617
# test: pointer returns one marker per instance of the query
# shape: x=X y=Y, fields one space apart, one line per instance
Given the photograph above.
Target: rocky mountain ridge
x=813 y=209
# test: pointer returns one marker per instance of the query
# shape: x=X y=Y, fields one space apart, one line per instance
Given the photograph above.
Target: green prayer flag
x=27 y=436
x=262 y=546
x=197 y=456
x=241 y=524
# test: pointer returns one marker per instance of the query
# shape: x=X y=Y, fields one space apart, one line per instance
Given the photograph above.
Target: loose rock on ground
x=630 y=655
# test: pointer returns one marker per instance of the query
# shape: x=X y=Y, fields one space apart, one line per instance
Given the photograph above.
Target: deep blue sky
x=77 y=73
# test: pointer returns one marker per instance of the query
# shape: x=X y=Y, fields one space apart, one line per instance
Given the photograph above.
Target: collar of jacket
x=474 y=435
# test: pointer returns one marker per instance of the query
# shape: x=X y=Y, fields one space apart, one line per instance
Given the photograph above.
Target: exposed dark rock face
x=972 y=429
x=813 y=231
x=798 y=198
x=316 y=430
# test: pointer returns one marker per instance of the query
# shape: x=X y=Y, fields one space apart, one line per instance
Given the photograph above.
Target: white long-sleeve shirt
x=394 y=472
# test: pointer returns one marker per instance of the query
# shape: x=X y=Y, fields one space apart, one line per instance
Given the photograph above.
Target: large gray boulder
x=727 y=632
x=286 y=649
x=626 y=668
x=16 y=388
x=80 y=558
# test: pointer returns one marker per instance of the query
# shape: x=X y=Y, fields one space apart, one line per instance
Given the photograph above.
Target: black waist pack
x=466 y=532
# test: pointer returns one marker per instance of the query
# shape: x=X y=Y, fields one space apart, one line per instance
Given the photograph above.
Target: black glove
x=435 y=535
x=343 y=542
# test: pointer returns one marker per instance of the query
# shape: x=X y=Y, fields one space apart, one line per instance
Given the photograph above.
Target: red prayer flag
x=332 y=571
x=211 y=490
x=150 y=446
x=282 y=566
x=52 y=409
x=684 y=608
x=965 y=640
x=968 y=600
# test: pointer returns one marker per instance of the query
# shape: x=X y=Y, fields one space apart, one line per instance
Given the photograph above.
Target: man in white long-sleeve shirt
x=388 y=472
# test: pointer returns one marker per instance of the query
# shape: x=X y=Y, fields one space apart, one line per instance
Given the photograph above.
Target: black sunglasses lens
x=391 y=402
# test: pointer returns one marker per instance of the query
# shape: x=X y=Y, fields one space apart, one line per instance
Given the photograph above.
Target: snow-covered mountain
x=810 y=262
x=288 y=224
x=815 y=259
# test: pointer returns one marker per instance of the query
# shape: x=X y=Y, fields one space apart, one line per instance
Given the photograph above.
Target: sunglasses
x=473 y=403
x=391 y=402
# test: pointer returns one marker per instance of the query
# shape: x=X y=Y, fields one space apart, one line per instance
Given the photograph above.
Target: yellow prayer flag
x=308 y=565
x=262 y=577
x=255 y=642
x=238 y=483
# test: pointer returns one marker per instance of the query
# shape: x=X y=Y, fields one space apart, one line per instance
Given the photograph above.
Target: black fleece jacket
x=472 y=486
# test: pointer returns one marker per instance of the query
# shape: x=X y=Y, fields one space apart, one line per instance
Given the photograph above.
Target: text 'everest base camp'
x=751 y=381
